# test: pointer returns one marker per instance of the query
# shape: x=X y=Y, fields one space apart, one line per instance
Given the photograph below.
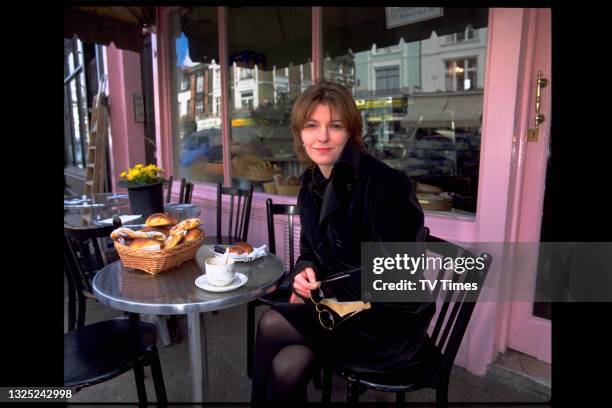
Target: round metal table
x=91 y=211
x=174 y=292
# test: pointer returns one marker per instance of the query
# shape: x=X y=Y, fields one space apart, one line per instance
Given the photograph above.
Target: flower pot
x=146 y=199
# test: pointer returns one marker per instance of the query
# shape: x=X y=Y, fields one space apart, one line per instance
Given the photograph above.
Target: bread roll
x=165 y=229
x=160 y=219
x=145 y=244
x=127 y=233
x=240 y=248
x=186 y=225
x=195 y=233
x=174 y=239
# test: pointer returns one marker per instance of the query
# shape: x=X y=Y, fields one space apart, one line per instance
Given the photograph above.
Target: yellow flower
x=123 y=174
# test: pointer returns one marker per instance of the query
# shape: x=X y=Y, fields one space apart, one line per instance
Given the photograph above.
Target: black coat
x=364 y=200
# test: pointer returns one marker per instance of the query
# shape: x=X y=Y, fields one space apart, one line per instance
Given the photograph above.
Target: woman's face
x=324 y=136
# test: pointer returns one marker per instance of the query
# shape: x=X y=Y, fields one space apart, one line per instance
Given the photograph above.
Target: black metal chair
x=101 y=351
x=169 y=189
x=432 y=369
x=283 y=291
x=239 y=213
x=185 y=192
x=80 y=266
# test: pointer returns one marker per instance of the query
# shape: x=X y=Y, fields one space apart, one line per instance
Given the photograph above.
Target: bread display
x=159 y=236
x=240 y=248
x=159 y=220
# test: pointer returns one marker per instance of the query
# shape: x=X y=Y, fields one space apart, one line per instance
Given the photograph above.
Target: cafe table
x=174 y=291
x=97 y=210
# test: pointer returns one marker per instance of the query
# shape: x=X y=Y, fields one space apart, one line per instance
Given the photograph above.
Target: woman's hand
x=305 y=281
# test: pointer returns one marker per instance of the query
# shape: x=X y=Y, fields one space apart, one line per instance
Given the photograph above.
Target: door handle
x=541 y=83
x=533 y=134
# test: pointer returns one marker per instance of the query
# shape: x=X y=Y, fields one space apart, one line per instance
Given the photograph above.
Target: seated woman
x=346 y=197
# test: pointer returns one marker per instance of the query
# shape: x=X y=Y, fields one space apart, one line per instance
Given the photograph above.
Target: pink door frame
x=127 y=137
x=508 y=41
x=528 y=333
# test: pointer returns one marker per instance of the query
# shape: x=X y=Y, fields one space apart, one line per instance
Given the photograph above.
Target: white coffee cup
x=219 y=273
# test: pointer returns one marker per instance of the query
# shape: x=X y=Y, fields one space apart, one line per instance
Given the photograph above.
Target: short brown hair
x=336 y=97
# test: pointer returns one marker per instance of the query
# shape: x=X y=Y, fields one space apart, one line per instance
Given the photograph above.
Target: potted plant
x=145 y=189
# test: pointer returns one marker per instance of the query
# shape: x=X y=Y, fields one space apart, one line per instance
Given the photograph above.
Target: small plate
x=239 y=280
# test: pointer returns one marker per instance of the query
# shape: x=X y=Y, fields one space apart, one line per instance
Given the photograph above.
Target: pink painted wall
x=126 y=140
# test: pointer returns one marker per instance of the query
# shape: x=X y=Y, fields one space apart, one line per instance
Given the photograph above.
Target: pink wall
x=505 y=67
x=126 y=140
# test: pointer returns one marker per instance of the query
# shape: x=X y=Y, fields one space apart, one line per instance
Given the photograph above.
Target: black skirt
x=379 y=339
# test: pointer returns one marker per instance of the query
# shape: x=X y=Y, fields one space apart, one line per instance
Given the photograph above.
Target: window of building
x=461 y=74
x=199 y=106
x=246 y=99
x=387 y=78
x=200 y=83
x=467 y=35
x=421 y=105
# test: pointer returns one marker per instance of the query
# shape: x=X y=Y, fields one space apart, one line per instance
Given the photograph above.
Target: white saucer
x=239 y=280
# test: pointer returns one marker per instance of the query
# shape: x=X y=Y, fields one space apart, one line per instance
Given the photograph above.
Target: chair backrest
x=185 y=192
x=456 y=311
x=290 y=210
x=169 y=190
x=238 y=228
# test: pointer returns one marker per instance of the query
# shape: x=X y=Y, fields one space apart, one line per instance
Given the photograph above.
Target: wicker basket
x=157 y=261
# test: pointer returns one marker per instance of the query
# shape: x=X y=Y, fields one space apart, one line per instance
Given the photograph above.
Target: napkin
x=256 y=253
x=124 y=219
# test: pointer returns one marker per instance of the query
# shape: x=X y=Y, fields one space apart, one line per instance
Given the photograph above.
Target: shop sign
x=248 y=122
x=399 y=16
x=381 y=103
x=208 y=123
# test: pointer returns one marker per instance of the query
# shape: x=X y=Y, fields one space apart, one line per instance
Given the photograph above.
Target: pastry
x=186 y=225
x=241 y=248
x=195 y=233
x=174 y=239
x=127 y=233
x=160 y=219
x=145 y=244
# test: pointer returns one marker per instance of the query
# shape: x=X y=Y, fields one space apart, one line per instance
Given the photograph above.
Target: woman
x=346 y=197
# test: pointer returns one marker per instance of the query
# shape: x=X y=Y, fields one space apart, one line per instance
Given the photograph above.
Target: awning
x=103 y=25
x=457 y=109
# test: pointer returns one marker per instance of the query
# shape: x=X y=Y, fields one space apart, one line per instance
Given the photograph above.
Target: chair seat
x=414 y=375
x=104 y=350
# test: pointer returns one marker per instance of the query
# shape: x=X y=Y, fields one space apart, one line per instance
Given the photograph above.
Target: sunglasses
x=326 y=317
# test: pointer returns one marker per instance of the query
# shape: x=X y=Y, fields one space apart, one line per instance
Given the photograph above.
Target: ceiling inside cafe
x=103 y=25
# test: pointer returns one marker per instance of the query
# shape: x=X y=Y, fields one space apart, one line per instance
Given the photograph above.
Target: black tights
x=283 y=363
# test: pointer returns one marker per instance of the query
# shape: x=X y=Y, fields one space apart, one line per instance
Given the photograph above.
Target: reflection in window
x=267 y=72
x=419 y=88
x=196 y=108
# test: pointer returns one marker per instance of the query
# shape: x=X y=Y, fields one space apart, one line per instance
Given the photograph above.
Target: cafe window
x=420 y=98
x=267 y=72
x=195 y=79
x=76 y=128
